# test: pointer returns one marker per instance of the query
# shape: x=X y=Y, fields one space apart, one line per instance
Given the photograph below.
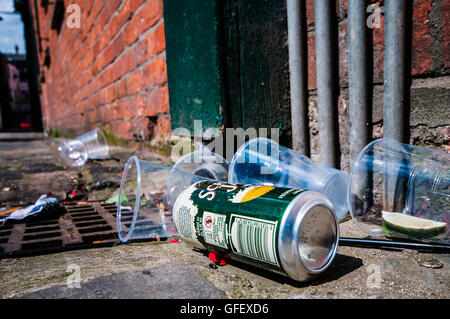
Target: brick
x=422 y=60
x=311 y=61
x=132 y=30
x=156 y=41
x=122 y=110
x=342 y=8
x=114 y=49
x=132 y=130
x=109 y=94
x=446 y=34
x=125 y=14
x=103 y=39
x=98 y=64
x=134 y=83
x=309 y=12
x=343 y=55
x=153 y=103
x=128 y=109
x=89 y=22
x=154 y=73
x=122 y=66
x=120 y=129
x=140 y=52
x=378 y=51
x=162 y=129
x=153 y=44
x=121 y=88
x=151 y=13
x=91 y=116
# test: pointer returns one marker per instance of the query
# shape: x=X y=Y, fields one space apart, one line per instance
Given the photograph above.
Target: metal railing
x=396 y=77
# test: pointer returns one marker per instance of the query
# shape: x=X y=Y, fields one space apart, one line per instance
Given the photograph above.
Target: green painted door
x=227 y=64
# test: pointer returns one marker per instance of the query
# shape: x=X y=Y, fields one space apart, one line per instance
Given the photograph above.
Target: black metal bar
x=376 y=243
x=396 y=114
x=327 y=81
x=359 y=75
x=297 y=38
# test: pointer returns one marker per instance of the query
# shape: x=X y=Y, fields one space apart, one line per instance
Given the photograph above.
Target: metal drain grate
x=72 y=226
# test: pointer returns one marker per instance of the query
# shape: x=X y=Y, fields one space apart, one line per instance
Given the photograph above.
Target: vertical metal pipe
x=396 y=109
x=396 y=115
x=359 y=76
x=326 y=63
x=296 y=23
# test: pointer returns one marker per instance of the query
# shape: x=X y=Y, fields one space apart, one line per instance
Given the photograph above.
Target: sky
x=11 y=29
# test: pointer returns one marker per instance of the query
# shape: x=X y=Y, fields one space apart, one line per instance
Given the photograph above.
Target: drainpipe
x=297 y=37
x=396 y=115
x=359 y=77
x=396 y=108
x=326 y=63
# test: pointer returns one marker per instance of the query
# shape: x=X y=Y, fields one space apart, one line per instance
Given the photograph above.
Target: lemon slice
x=411 y=225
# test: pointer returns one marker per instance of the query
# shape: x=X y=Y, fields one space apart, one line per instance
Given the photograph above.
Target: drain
x=73 y=226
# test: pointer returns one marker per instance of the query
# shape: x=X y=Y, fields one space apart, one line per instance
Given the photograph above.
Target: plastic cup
x=147 y=193
x=394 y=177
x=262 y=161
x=91 y=145
x=204 y=163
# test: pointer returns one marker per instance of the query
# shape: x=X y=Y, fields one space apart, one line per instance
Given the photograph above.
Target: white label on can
x=254 y=238
x=184 y=211
x=214 y=229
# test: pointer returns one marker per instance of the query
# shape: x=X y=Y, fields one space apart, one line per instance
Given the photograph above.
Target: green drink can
x=289 y=231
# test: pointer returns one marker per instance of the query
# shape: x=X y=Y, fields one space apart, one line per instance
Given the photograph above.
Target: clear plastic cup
x=204 y=163
x=146 y=196
x=391 y=177
x=91 y=145
x=262 y=161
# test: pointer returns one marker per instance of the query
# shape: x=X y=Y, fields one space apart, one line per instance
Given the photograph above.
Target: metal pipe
x=296 y=24
x=396 y=109
x=359 y=77
x=376 y=243
x=327 y=81
x=396 y=115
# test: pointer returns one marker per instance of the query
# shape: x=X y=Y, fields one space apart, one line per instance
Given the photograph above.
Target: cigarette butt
x=9 y=210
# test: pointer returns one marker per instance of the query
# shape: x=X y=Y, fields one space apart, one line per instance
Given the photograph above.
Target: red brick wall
x=111 y=71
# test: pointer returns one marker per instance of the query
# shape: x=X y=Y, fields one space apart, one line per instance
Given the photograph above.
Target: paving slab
x=165 y=282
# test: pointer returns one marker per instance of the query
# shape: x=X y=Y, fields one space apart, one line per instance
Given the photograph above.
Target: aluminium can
x=289 y=231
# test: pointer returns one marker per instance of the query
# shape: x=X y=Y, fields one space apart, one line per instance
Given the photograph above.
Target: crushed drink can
x=289 y=231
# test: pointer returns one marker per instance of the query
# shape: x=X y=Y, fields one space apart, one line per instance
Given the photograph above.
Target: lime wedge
x=411 y=225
